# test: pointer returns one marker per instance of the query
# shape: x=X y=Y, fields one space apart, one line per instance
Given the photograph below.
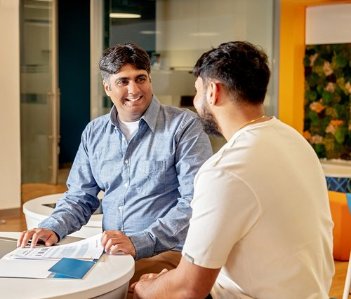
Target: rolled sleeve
x=144 y=245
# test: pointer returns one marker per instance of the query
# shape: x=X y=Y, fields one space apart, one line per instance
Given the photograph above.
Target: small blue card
x=71 y=268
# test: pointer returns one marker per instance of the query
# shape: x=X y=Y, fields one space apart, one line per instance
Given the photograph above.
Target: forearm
x=70 y=214
x=62 y=223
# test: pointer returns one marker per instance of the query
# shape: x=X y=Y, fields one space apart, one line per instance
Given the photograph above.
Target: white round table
x=109 y=278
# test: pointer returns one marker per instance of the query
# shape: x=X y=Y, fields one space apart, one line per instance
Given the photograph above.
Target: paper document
x=26 y=268
x=86 y=249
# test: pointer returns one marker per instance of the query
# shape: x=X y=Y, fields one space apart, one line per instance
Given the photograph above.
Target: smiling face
x=130 y=91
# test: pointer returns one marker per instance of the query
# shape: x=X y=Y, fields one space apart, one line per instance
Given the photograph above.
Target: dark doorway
x=74 y=75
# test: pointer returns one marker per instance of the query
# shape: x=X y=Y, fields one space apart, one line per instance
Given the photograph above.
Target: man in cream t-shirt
x=261 y=225
x=260 y=211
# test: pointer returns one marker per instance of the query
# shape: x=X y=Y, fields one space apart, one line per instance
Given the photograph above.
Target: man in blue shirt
x=143 y=155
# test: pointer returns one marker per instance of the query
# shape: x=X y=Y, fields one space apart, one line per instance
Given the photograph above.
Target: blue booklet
x=71 y=268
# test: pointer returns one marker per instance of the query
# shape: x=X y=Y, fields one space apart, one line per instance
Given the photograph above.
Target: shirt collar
x=113 y=116
x=150 y=115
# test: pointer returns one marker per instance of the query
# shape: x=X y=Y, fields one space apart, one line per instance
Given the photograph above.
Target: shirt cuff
x=47 y=225
x=143 y=244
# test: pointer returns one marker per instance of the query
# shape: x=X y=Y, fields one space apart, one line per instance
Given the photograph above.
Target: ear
x=213 y=92
x=107 y=88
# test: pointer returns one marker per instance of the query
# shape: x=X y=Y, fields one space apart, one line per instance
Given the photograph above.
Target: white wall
x=328 y=24
x=10 y=158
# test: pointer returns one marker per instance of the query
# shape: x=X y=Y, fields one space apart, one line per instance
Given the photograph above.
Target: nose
x=133 y=87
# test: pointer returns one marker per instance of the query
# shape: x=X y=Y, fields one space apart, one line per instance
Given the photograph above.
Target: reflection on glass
x=36 y=81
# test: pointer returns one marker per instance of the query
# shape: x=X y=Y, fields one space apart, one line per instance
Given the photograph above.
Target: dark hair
x=114 y=58
x=240 y=66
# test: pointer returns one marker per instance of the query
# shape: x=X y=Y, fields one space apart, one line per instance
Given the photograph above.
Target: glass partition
x=39 y=102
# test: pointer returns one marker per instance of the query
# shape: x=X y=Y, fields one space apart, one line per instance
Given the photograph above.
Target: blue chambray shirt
x=148 y=182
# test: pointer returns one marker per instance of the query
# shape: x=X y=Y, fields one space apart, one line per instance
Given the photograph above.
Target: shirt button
x=126 y=185
x=126 y=162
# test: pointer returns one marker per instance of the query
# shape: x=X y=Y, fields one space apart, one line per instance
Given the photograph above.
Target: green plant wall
x=327 y=121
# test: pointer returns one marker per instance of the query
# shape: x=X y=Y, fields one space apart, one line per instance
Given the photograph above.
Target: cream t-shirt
x=261 y=213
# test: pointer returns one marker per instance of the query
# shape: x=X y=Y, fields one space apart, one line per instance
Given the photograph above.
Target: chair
x=347 y=281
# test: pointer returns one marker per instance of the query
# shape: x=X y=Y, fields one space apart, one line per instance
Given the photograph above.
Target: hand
x=114 y=242
x=47 y=236
x=145 y=277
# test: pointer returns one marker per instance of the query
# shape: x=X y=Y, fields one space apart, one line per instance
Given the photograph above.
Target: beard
x=208 y=120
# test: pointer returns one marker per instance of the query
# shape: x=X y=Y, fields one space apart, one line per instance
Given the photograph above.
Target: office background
x=279 y=26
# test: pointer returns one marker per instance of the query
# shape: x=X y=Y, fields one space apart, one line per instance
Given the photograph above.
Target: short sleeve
x=224 y=210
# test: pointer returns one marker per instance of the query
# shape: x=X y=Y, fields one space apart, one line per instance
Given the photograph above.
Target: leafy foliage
x=327 y=123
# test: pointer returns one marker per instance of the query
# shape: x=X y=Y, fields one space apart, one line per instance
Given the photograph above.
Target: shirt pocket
x=152 y=177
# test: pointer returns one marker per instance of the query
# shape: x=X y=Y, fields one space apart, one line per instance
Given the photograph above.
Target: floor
x=14 y=220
